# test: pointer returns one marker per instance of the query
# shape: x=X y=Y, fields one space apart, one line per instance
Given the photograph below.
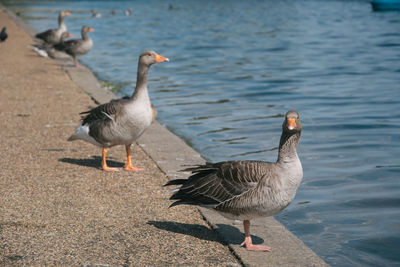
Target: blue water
x=237 y=66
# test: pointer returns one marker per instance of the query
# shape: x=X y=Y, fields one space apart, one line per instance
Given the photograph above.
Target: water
x=237 y=66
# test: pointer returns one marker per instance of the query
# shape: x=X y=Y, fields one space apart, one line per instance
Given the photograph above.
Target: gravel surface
x=56 y=205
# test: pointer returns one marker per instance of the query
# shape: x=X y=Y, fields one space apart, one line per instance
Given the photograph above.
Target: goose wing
x=105 y=112
x=49 y=36
x=71 y=46
x=211 y=185
x=60 y=46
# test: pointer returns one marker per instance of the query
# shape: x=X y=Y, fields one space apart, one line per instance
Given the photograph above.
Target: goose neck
x=141 y=81
x=61 y=24
x=288 y=147
x=84 y=35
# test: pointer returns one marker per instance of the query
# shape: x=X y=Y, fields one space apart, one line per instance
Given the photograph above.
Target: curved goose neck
x=84 y=35
x=141 y=81
x=288 y=147
x=61 y=24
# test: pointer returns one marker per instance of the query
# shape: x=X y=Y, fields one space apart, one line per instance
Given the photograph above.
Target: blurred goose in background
x=3 y=35
x=128 y=11
x=77 y=47
x=53 y=36
x=95 y=14
x=245 y=190
x=121 y=121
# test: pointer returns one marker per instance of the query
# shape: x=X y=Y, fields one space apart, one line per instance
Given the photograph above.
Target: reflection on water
x=237 y=66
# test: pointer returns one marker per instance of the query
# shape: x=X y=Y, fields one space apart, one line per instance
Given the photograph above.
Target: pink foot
x=132 y=169
x=109 y=169
x=250 y=247
x=76 y=63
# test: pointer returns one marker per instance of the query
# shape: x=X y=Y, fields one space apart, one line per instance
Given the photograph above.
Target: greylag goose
x=122 y=121
x=3 y=34
x=53 y=36
x=78 y=47
x=245 y=190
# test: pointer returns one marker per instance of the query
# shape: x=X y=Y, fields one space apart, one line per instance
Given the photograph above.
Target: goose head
x=86 y=29
x=65 y=35
x=150 y=57
x=63 y=14
x=292 y=122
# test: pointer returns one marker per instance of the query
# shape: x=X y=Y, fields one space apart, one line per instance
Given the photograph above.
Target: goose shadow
x=94 y=162
x=227 y=234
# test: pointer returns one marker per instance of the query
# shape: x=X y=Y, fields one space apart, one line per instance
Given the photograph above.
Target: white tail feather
x=39 y=51
x=82 y=133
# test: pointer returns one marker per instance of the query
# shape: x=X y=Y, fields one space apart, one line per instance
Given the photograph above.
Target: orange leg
x=128 y=166
x=248 y=243
x=104 y=162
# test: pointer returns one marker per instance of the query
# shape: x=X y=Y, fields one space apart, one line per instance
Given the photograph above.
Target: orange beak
x=161 y=59
x=67 y=13
x=69 y=35
x=91 y=29
x=292 y=124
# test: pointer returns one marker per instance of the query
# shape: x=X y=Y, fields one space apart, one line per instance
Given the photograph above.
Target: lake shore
x=59 y=208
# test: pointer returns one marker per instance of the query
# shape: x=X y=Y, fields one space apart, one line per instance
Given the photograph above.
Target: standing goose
x=246 y=190
x=78 y=47
x=121 y=121
x=53 y=36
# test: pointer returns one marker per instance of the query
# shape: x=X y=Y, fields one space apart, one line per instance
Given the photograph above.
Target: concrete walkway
x=58 y=208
